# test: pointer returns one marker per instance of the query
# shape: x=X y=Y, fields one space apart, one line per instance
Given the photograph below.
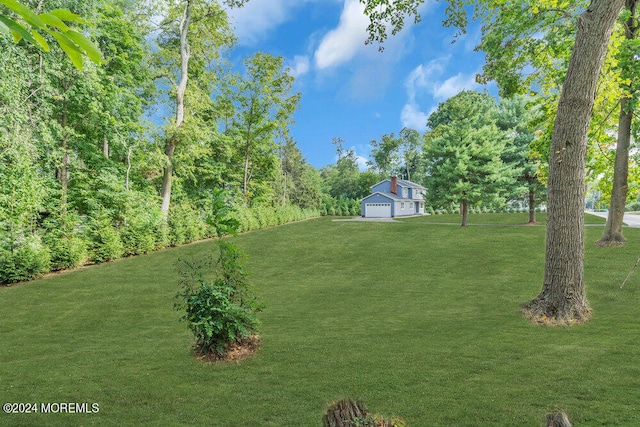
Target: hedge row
x=69 y=241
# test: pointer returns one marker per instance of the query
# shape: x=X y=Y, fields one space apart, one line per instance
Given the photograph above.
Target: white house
x=394 y=197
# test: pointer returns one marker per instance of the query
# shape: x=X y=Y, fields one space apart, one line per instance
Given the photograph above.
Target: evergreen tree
x=464 y=162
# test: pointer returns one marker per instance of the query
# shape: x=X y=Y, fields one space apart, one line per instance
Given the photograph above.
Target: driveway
x=632 y=220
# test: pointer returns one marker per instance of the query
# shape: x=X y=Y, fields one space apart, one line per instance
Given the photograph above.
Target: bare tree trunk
x=464 y=210
x=62 y=174
x=185 y=54
x=105 y=147
x=613 y=230
x=126 y=181
x=247 y=155
x=532 y=205
x=563 y=298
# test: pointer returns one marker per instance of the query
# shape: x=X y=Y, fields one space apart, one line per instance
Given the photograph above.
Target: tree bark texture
x=613 y=230
x=562 y=298
x=247 y=156
x=185 y=54
x=532 y=206
x=464 y=211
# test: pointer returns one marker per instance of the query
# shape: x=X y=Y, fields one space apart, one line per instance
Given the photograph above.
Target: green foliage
x=105 y=243
x=22 y=258
x=254 y=218
x=220 y=215
x=75 y=44
x=341 y=206
x=66 y=241
x=263 y=105
x=186 y=223
x=142 y=227
x=464 y=156
x=221 y=311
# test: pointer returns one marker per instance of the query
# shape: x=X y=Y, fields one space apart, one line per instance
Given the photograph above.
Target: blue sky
x=350 y=90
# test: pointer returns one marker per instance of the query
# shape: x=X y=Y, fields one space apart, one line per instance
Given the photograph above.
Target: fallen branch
x=631 y=272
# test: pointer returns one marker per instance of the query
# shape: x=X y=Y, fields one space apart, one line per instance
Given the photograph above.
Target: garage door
x=377 y=210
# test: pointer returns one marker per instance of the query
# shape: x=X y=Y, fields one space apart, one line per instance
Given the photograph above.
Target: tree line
x=135 y=149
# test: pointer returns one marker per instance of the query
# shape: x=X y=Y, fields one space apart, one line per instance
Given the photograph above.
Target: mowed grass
x=417 y=320
x=519 y=218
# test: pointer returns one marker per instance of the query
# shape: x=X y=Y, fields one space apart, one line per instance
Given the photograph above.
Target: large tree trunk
x=185 y=54
x=563 y=298
x=613 y=230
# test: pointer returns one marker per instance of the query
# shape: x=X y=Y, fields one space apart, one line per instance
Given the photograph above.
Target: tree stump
x=557 y=419
x=345 y=413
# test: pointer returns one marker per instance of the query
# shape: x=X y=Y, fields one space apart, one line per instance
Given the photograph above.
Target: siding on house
x=408 y=199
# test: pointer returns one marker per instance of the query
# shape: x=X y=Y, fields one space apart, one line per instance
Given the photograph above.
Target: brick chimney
x=394 y=184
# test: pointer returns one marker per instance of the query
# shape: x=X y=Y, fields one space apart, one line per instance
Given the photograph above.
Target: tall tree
x=562 y=298
x=342 y=179
x=517 y=118
x=464 y=161
x=301 y=183
x=191 y=35
x=410 y=149
x=628 y=103
x=385 y=156
x=264 y=107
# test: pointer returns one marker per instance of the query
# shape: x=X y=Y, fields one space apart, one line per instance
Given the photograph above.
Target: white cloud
x=257 y=17
x=299 y=66
x=424 y=80
x=413 y=118
x=343 y=43
x=454 y=85
x=362 y=163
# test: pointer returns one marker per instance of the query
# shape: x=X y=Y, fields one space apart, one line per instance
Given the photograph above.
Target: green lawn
x=417 y=320
x=492 y=219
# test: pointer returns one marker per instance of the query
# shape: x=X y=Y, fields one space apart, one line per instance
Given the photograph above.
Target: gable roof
x=403 y=183
x=391 y=196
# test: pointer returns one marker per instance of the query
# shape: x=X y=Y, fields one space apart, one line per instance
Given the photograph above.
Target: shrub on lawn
x=222 y=311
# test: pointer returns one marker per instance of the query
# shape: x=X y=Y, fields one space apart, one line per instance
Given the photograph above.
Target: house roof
x=391 y=196
x=403 y=183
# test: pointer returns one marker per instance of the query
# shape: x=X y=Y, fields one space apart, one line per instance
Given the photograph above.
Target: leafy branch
x=31 y=25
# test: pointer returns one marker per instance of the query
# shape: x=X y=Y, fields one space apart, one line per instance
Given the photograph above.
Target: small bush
x=222 y=311
x=67 y=244
x=142 y=226
x=24 y=259
x=105 y=244
x=186 y=224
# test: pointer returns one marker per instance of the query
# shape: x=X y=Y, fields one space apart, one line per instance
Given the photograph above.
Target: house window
x=410 y=206
x=402 y=205
x=405 y=192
